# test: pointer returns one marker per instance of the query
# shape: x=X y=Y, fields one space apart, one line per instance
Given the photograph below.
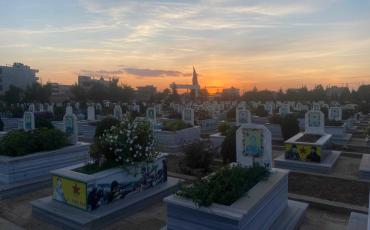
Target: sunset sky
x=266 y=43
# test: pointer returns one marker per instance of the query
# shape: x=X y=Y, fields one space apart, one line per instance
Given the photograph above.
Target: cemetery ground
x=331 y=198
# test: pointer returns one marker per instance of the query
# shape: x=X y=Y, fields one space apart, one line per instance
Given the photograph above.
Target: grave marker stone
x=28 y=121
x=70 y=128
x=253 y=145
x=188 y=116
x=243 y=116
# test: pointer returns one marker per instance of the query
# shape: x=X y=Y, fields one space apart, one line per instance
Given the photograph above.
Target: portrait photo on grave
x=301 y=152
x=243 y=116
x=314 y=119
x=253 y=142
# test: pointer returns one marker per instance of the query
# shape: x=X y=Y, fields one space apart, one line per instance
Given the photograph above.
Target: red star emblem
x=76 y=189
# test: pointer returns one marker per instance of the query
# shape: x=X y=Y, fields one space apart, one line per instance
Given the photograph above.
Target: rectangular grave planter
x=38 y=165
x=305 y=150
x=173 y=141
x=259 y=209
x=89 y=192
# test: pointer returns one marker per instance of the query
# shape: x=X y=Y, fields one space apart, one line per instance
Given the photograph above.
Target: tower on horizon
x=194 y=86
x=195 y=78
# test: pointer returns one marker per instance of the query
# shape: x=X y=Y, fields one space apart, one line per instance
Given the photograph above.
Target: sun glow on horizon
x=245 y=44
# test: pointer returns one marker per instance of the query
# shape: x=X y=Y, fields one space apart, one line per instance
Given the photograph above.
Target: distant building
x=231 y=92
x=60 y=93
x=18 y=75
x=335 y=91
x=145 y=93
x=87 y=81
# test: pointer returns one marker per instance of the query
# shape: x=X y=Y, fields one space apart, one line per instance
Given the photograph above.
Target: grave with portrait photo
x=265 y=207
x=310 y=150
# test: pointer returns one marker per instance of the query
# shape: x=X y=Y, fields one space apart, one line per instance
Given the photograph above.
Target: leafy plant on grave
x=59 y=112
x=275 y=119
x=20 y=142
x=202 y=114
x=228 y=148
x=43 y=120
x=289 y=126
x=104 y=125
x=198 y=155
x=231 y=114
x=260 y=111
x=175 y=125
x=126 y=143
x=223 y=127
x=225 y=186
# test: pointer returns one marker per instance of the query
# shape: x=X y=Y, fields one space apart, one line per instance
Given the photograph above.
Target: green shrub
x=225 y=186
x=198 y=155
x=202 y=114
x=228 y=148
x=275 y=119
x=126 y=143
x=231 y=115
x=260 y=111
x=174 y=125
x=223 y=127
x=41 y=122
x=105 y=124
x=59 y=113
x=20 y=142
x=289 y=126
x=1 y=125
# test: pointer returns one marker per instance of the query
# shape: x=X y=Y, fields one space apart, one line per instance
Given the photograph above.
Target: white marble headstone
x=70 y=128
x=28 y=121
x=253 y=145
x=315 y=122
x=188 y=116
x=151 y=115
x=90 y=113
x=335 y=114
x=284 y=109
x=243 y=116
x=69 y=109
x=117 y=112
x=31 y=108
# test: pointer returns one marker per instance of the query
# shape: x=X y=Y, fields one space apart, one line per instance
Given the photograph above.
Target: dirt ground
x=333 y=189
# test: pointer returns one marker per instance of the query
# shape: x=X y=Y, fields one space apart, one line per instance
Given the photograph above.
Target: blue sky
x=268 y=44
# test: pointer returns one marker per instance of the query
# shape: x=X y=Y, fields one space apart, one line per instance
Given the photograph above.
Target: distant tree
x=37 y=93
x=260 y=111
x=364 y=93
x=289 y=126
x=228 y=148
x=78 y=93
x=13 y=95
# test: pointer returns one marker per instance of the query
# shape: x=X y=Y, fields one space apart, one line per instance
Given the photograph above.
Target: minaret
x=195 y=77
x=196 y=86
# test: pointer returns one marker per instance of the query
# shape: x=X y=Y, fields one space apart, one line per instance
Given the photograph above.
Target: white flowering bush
x=126 y=143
